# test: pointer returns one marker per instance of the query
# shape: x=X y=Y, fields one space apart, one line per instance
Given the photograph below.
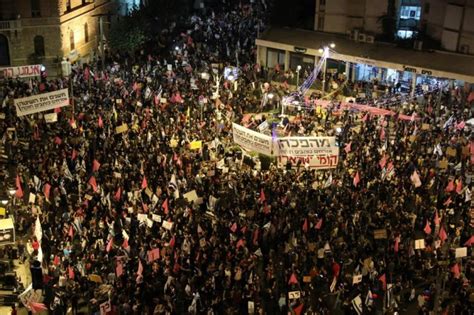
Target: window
x=71 y=40
x=35 y=8
x=321 y=23
x=409 y=12
x=86 y=33
x=274 y=57
x=405 y=34
x=68 y=5
x=427 y=8
x=39 y=45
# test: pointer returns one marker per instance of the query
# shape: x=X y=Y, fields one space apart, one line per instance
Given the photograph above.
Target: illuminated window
x=405 y=34
x=71 y=40
x=409 y=12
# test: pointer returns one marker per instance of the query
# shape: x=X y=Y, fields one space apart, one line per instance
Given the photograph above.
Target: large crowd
x=118 y=225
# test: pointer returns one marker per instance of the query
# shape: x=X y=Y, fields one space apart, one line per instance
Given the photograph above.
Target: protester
x=117 y=228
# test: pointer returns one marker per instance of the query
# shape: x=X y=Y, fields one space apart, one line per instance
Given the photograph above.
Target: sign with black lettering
x=409 y=69
x=426 y=72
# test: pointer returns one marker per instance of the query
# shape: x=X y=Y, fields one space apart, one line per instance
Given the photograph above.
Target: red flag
x=172 y=241
x=450 y=186
x=459 y=186
x=319 y=224
x=382 y=134
x=356 y=179
x=262 y=196
x=299 y=309
x=305 y=225
x=396 y=245
x=145 y=207
x=448 y=202
x=233 y=228
x=109 y=245
x=144 y=183
x=383 y=161
x=456 y=271
x=293 y=279
x=95 y=166
x=336 y=269
x=470 y=241
x=165 y=206
x=119 y=269
x=442 y=234
x=71 y=231
x=365 y=117
x=383 y=279
x=19 y=190
x=240 y=243
x=56 y=260
x=70 y=272
x=125 y=244
x=58 y=140
x=118 y=194
x=436 y=218
x=347 y=148
x=100 y=123
x=46 y=190
x=140 y=267
x=93 y=183
x=427 y=228
x=87 y=74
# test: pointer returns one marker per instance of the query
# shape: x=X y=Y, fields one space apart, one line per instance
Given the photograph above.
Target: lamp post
x=66 y=69
x=325 y=51
x=298 y=69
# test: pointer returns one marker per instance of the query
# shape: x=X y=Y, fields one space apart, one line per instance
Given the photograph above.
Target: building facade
x=451 y=22
x=43 y=32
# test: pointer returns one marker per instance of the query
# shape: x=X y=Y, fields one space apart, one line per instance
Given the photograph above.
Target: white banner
x=316 y=152
x=41 y=102
x=252 y=140
x=21 y=71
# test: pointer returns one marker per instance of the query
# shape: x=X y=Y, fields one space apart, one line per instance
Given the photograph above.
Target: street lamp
x=325 y=52
x=298 y=68
x=66 y=69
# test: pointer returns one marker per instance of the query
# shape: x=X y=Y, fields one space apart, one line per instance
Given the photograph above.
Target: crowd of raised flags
x=140 y=203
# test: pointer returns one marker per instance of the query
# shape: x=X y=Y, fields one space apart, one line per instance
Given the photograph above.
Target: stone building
x=45 y=31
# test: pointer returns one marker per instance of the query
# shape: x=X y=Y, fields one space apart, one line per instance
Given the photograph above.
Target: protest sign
x=167 y=225
x=252 y=140
x=41 y=102
x=50 y=118
x=21 y=71
x=420 y=244
x=105 y=308
x=195 y=145
x=380 y=234
x=461 y=252
x=121 y=129
x=293 y=295
x=191 y=196
x=315 y=152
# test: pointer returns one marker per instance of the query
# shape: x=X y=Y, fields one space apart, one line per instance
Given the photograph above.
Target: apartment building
x=43 y=32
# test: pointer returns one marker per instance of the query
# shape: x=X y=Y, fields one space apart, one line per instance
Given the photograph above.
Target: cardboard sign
x=142 y=217
x=95 y=278
x=356 y=279
x=420 y=244
x=51 y=118
x=118 y=101
x=450 y=152
x=149 y=223
x=105 y=308
x=307 y=279
x=380 y=234
x=167 y=225
x=32 y=198
x=121 y=129
x=443 y=164
x=461 y=252
x=156 y=218
x=191 y=196
x=425 y=127
x=293 y=295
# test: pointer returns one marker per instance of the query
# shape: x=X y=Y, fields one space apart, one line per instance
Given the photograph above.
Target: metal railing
x=10 y=25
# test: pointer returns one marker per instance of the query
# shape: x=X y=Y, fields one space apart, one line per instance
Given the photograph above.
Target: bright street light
x=298 y=68
x=332 y=45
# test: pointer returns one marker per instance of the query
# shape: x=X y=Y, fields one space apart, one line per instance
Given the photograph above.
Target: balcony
x=10 y=25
